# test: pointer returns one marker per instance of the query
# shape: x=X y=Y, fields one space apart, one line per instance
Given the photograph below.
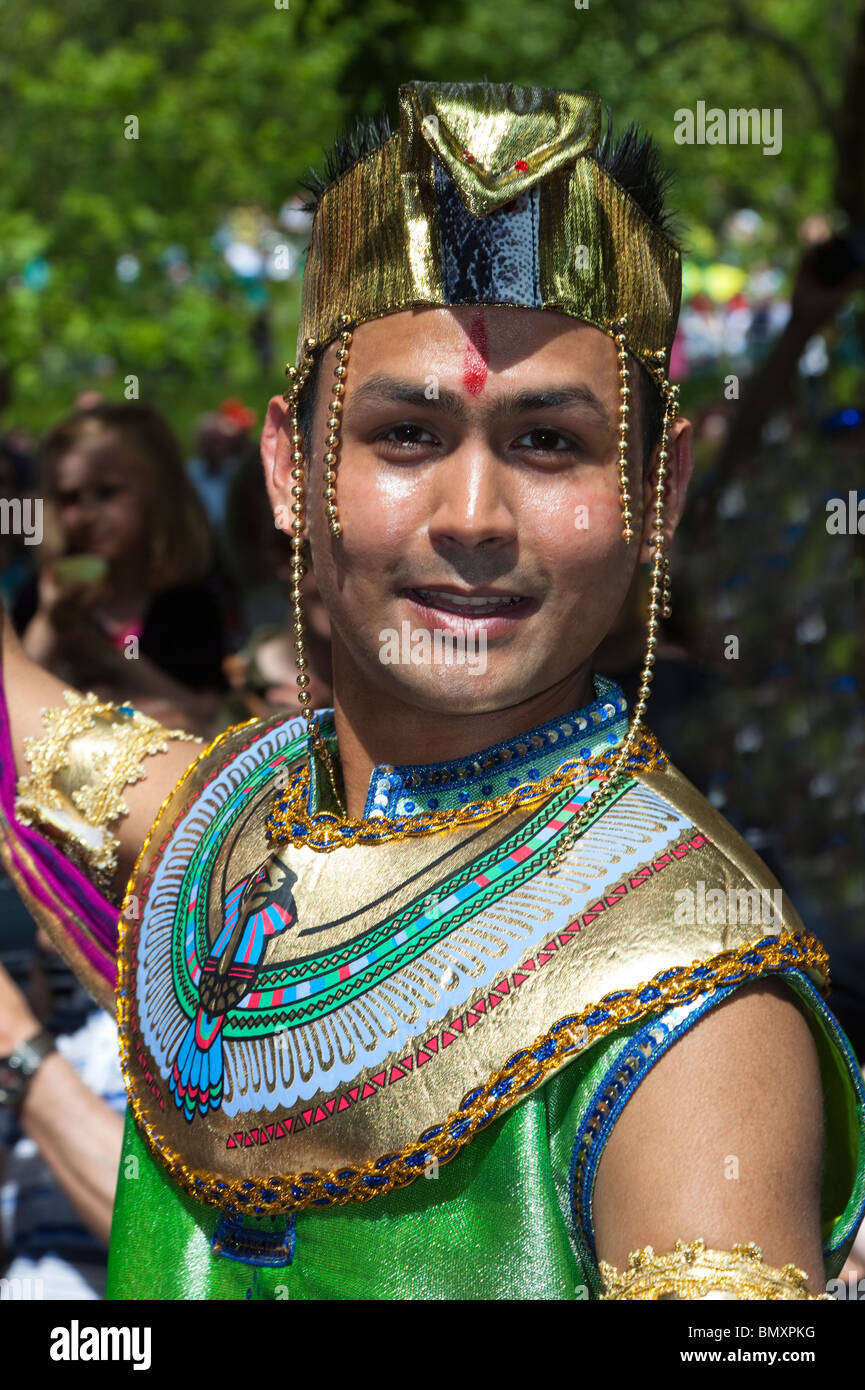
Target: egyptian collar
x=411 y=790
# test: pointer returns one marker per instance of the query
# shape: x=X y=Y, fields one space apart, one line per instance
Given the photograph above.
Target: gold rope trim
x=691 y=1271
x=521 y=1074
x=325 y=831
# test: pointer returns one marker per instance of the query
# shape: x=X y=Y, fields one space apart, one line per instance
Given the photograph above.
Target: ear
x=680 y=466
x=276 y=458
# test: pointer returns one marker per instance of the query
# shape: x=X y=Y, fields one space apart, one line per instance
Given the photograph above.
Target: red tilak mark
x=476 y=359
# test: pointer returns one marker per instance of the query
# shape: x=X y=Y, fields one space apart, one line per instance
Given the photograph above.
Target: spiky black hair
x=351 y=145
x=634 y=161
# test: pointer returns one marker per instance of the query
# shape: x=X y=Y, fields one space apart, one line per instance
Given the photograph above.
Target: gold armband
x=693 y=1272
x=79 y=768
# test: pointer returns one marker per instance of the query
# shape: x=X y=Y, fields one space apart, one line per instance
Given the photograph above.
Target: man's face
x=478 y=494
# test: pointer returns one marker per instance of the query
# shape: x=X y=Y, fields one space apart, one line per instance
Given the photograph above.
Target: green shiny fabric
x=494 y=1224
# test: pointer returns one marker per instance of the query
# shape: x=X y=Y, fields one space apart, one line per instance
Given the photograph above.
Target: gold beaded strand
x=298 y=377
x=334 y=422
x=624 y=421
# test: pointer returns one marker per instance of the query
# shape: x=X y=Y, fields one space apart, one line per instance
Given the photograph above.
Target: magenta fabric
x=87 y=918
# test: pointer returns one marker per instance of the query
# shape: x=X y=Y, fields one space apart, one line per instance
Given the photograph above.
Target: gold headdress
x=487 y=194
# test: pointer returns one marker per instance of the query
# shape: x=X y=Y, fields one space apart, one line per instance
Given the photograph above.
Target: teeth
x=463 y=601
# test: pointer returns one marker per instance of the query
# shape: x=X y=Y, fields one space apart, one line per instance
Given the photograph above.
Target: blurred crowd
x=161 y=580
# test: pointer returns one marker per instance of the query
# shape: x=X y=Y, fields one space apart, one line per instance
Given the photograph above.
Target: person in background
x=220 y=440
x=123 y=605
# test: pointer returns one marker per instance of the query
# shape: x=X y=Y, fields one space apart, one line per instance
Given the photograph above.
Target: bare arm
x=77 y=1133
x=723 y=1140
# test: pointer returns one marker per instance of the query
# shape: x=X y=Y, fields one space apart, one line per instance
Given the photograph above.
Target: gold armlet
x=90 y=752
x=693 y=1272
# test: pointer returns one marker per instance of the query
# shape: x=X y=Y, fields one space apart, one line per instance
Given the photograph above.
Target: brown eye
x=406 y=436
x=544 y=441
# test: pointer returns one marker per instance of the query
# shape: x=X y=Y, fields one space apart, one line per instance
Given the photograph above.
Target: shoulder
x=723 y=1139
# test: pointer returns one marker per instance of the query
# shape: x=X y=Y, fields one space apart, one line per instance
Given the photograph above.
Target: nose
x=472 y=506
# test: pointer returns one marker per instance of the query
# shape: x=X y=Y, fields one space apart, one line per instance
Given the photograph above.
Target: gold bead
x=333 y=422
x=338 y=390
x=309 y=344
x=330 y=457
x=330 y=493
x=335 y=529
x=340 y=371
x=330 y=509
x=346 y=337
x=344 y=319
x=332 y=441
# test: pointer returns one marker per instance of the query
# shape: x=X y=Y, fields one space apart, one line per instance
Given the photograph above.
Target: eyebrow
x=387 y=390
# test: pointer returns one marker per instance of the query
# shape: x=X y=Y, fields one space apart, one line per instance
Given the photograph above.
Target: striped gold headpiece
x=488 y=194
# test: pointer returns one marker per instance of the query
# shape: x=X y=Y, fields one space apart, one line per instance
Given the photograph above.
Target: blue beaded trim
x=518 y=756
x=250 y=1245
x=633 y=1064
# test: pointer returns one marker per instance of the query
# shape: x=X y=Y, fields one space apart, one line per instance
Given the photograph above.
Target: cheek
x=583 y=530
x=381 y=515
x=125 y=517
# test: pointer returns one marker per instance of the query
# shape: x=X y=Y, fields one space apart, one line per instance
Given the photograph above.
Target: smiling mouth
x=467 y=605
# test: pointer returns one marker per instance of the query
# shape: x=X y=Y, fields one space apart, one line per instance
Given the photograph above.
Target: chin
x=460 y=693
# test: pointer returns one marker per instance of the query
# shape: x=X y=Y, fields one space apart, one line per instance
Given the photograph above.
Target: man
x=460 y=990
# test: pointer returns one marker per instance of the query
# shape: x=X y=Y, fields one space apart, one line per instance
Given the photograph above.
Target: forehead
x=511 y=340
x=94 y=458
